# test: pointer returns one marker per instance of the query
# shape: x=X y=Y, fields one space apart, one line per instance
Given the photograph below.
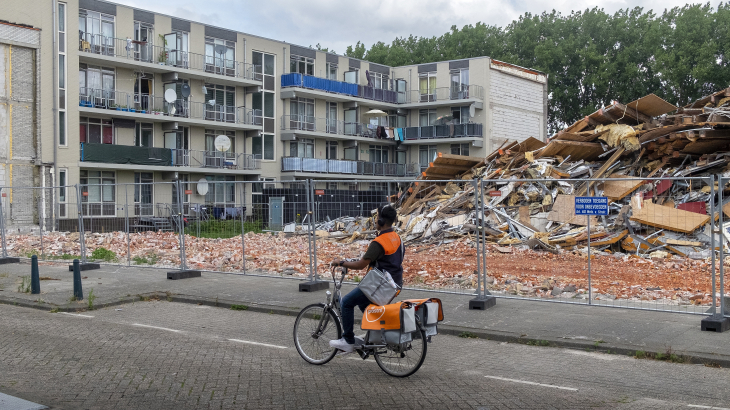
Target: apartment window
x=184 y=181
x=426 y=154
x=378 y=80
x=396 y=120
x=331 y=113
x=221 y=190
x=263 y=64
x=96 y=130
x=62 y=74
x=350 y=153
x=96 y=87
x=263 y=145
x=332 y=185
x=352 y=75
x=259 y=187
x=378 y=186
x=379 y=153
x=351 y=186
x=426 y=117
x=176 y=47
x=62 y=181
x=301 y=65
x=143 y=33
x=331 y=149
x=97 y=193
x=460 y=83
x=427 y=86
x=460 y=149
x=460 y=115
x=400 y=157
x=61 y=27
x=302 y=113
x=220 y=103
x=96 y=32
x=210 y=136
x=304 y=148
x=220 y=56
x=143 y=183
x=332 y=71
x=62 y=128
x=143 y=134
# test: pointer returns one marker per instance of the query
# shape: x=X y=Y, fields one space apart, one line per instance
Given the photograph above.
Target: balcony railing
x=443 y=131
x=326 y=125
x=461 y=92
x=338 y=87
x=126 y=154
x=338 y=166
x=153 y=105
x=149 y=53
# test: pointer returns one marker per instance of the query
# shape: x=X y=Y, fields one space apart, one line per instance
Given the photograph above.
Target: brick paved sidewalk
x=600 y=328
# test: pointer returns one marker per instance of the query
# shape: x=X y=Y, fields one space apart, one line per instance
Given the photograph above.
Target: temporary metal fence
x=470 y=237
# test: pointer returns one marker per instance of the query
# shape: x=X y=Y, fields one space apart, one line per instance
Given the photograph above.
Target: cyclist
x=386 y=253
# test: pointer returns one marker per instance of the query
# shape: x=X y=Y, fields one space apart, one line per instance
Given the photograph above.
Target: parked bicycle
x=399 y=353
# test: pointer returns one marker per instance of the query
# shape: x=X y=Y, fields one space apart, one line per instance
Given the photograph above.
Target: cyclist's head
x=387 y=215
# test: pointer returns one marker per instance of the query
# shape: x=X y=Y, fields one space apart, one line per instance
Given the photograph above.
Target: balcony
x=325 y=127
x=347 y=167
x=450 y=132
x=339 y=87
x=166 y=157
x=170 y=59
x=157 y=109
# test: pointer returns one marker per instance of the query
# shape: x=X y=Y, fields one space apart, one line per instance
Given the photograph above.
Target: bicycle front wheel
x=402 y=360
x=313 y=331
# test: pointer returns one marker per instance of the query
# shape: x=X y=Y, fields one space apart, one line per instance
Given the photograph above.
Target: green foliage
x=150 y=258
x=65 y=256
x=591 y=57
x=215 y=229
x=24 y=286
x=103 y=254
x=55 y=310
x=90 y=299
x=538 y=343
x=239 y=307
x=640 y=354
x=468 y=335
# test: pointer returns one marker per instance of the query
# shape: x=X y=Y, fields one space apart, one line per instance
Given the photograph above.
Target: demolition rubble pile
x=654 y=245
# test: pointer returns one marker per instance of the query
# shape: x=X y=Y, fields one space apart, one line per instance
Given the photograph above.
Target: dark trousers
x=352 y=299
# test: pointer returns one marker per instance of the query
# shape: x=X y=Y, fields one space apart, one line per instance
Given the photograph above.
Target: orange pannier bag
x=386 y=317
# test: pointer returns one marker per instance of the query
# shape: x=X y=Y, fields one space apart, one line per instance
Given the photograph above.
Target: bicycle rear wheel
x=313 y=342
x=404 y=359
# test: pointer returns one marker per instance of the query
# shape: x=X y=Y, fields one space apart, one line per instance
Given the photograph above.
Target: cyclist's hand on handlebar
x=336 y=262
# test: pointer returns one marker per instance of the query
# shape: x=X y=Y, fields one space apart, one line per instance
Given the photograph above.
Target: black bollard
x=35 y=280
x=78 y=292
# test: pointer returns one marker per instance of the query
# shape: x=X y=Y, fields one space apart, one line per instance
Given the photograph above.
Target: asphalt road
x=159 y=355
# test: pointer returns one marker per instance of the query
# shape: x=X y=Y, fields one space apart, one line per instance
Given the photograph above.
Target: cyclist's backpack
x=429 y=312
x=393 y=323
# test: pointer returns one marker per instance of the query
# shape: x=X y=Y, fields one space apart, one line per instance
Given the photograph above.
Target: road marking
x=155 y=327
x=594 y=355
x=698 y=406
x=532 y=383
x=257 y=343
x=75 y=314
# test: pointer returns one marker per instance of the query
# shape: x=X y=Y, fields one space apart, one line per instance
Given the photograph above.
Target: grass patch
x=103 y=254
x=538 y=343
x=239 y=307
x=356 y=279
x=317 y=316
x=24 y=286
x=150 y=258
x=468 y=335
x=65 y=256
x=214 y=229
x=668 y=356
x=4 y=275
x=47 y=278
x=90 y=299
x=55 y=310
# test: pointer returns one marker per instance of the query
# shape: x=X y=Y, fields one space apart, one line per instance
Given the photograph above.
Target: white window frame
x=261 y=153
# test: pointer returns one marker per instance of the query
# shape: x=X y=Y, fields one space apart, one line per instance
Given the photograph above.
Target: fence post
x=41 y=222
x=183 y=272
x=4 y=259
x=126 y=223
x=312 y=283
x=82 y=240
x=484 y=299
x=243 y=226
x=476 y=223
x=715 y=322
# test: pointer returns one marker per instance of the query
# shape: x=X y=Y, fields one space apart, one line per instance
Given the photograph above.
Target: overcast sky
x=339 y=23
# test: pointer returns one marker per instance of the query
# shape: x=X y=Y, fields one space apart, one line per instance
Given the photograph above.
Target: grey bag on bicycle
x=379 y=287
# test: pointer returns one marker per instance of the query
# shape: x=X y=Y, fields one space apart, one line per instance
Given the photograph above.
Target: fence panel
x=724 y=238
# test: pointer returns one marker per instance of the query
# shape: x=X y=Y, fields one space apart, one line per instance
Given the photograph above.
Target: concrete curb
x=488 y=334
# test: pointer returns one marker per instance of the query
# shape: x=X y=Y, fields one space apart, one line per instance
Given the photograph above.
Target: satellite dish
x=185 y=90
x=170 y=95
x=472 y=111
x=222 y=143
x=202 y=186
x=211 y=102
x=205 y=90
x=221 y=49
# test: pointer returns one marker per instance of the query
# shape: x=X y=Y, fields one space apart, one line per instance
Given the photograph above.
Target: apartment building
x=131 y=96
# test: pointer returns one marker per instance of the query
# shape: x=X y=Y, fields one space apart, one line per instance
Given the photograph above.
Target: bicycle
x=319 y=323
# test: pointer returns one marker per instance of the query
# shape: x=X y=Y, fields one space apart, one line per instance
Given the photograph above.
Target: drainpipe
x=408 y=94
x=54 y=171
